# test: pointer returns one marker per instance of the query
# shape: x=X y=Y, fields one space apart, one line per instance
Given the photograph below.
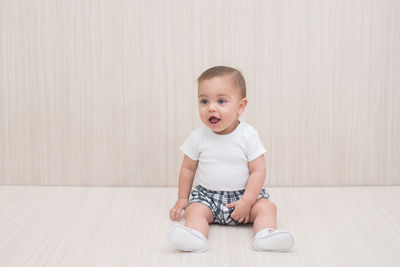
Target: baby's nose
x=212 y=107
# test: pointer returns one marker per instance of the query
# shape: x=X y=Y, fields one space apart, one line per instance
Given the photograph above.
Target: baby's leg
x=267 y=237
x=198 y=217
x=263 y=215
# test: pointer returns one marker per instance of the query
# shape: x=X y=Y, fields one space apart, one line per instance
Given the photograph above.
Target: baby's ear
x=242 y=105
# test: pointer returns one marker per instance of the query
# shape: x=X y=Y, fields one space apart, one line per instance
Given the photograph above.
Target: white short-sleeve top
x=223 y=159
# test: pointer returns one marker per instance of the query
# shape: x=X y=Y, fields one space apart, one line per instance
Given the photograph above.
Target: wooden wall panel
x=104 y=92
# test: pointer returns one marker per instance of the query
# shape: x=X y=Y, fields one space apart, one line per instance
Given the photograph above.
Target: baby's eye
x=221 y=101
x=203 y=101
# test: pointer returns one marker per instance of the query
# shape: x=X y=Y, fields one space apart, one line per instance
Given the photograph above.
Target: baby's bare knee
x=198 y=211
x=264 y=207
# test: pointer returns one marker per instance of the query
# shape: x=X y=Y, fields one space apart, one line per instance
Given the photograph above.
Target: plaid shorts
x=216 y=201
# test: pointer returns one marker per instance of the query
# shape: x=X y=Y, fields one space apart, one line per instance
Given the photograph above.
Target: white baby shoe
x=187 y=239
x=273 y=240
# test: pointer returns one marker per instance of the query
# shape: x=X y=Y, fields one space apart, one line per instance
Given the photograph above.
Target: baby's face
x=220 y=104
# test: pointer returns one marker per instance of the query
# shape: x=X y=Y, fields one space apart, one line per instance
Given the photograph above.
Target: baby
x=229 y=159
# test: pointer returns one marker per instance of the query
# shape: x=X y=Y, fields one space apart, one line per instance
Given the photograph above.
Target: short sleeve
x=189 y=147
x=255 y=147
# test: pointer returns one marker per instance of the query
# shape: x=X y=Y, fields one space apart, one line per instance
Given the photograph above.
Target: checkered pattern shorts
x=216 y=201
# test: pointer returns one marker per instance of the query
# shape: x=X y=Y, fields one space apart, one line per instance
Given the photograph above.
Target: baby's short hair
x=224 y=70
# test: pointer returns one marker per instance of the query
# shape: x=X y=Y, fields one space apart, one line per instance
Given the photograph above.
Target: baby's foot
x=273 y=240
x=187 y=239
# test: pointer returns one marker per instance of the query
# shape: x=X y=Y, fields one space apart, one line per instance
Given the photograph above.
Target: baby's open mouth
x=214 y=120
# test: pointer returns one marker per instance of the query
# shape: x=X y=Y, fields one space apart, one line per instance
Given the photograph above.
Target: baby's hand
x=175 y=212
x=241 y=212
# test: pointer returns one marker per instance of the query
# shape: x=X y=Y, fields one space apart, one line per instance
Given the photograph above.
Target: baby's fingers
x=241 y=220
x=236 y=216
x=172 y=213
x=177 y=214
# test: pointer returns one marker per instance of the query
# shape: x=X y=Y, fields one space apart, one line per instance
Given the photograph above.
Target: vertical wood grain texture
x=104 y=92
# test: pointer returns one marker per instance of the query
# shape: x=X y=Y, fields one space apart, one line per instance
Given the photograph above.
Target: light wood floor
x=98 y=226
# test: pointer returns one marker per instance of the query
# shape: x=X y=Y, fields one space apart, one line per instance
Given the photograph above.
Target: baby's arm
x=253 y=189
x=256 y=180
x=186 y=177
